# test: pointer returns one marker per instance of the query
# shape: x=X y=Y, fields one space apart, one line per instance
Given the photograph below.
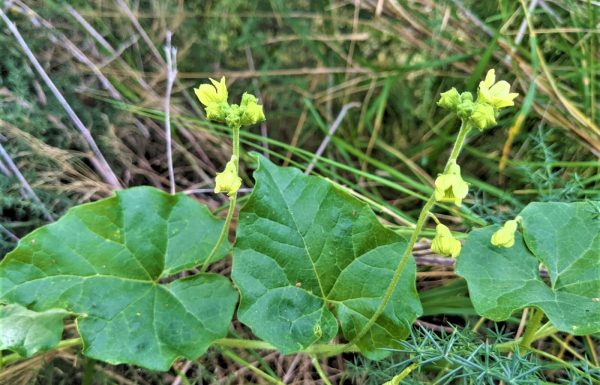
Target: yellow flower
x=228 y=181
x=444 y=243
x=496 y=94
x=505 y=236
x=450 y=187
x=212 y=94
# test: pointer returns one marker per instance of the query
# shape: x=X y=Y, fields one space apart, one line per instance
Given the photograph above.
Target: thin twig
x=474 y=19
x=171 y=54
x=91 y=30
x=15 y=170
x=332 y=129
x=64 y=41
x=520 y=33
x=9 y=233
x=186 y=367
x=140 y=30
x=434 y=327
x=290 y=371
x=4 y=170
x=98 y=160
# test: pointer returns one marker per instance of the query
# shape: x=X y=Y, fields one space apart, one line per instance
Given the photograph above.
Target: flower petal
x=206 y=93
x=490 y=78
x=500 y=89
x=443 y=182
x=460 y=188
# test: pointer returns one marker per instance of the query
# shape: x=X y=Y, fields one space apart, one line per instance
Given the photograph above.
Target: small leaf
x=104 y=262
x=28 y=332
x=565 y=238
x=307 y=253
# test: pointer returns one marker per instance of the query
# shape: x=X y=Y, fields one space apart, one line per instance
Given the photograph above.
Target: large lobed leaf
x=308 y=255
x=565 y=239
x=104 y=262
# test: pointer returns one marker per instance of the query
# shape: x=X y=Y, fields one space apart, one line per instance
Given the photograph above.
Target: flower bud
x=228 y=181
x=483 y=116
x=444 y=243
x=505 y=236
x=466 y=96
x=216 y=111
x=450 y=187
x=252 y=112
x=465 y=108
x=449 y=99
x=233 y=116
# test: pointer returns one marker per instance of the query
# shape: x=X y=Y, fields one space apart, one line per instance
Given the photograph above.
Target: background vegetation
x=378 y=65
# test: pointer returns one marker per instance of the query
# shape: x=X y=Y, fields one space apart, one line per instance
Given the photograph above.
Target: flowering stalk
x=214 y=98
x=232 y=201
x=481 y=113
x=458 y=144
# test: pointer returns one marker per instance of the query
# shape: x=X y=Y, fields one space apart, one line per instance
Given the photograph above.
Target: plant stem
x=403 y=374
x=318 y=349
x=533 y=325
x=244 y=344
x=251 y=367
x=89 y=371
x=12 y=358
x=317 y=365
x=544 y=331
x=458 y=144
x=232 y=202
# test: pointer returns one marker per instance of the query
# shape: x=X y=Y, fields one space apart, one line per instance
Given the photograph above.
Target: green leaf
x=28 y=332
x=106 y=262
x=308 y=255
x=565 y=238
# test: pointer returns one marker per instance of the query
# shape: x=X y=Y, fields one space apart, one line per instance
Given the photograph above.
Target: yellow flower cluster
x=214 y=98
x=491 y=97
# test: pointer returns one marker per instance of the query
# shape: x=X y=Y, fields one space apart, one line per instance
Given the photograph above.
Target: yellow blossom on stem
x=444 y=243
x=505 y=236
x=215 y=93
x=495 y=94
x=214 y=98
x=450 y=187
x=228 y=181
